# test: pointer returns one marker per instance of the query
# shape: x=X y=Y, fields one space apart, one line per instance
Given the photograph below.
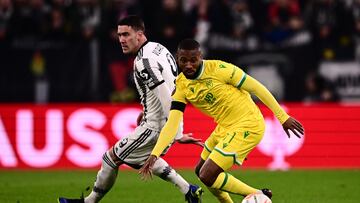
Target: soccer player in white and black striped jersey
x=155 y=71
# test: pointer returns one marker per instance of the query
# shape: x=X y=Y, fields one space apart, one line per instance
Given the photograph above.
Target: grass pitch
x=296 y=186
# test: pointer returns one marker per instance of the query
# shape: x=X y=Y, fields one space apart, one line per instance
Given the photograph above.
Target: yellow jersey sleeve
x=253 y=86
x=178 y=94
x=168 y=132
x=231 y=74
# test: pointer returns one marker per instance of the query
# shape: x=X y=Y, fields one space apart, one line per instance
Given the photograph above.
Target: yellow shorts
x=230 y=146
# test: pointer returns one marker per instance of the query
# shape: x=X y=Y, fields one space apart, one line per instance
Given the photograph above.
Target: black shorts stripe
x=134 y=147
x=142 y=134
x=108 y=162
x=176 y=105
x=135 y=144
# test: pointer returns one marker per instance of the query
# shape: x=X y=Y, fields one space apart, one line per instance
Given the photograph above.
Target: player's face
x=129 y=39
x=189 y=61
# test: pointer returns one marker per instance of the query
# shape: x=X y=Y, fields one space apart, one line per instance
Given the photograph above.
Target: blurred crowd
x=40 y=40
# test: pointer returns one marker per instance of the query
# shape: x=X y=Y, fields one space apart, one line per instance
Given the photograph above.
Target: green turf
x=333 y=186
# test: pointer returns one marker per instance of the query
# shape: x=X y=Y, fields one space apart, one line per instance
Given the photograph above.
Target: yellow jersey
x=222 y=91
x=217 y=92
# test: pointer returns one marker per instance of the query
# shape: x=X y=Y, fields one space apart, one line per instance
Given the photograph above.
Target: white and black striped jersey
x=153 y=66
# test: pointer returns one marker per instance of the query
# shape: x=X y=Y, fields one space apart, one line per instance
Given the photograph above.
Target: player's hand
x=188 y=138
x=146 y=170
x=293 y=125
x=139 y=118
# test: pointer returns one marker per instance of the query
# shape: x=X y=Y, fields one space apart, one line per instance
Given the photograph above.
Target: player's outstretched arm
x=255 y=87
x=293 y=125
x=166 y=136
x=188 y=138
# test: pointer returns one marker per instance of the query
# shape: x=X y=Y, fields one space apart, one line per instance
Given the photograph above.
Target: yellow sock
x=222 y=196
x=229 y=183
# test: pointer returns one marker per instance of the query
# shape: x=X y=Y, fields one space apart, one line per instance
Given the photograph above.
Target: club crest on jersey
x=222 y=66
x=209 y=84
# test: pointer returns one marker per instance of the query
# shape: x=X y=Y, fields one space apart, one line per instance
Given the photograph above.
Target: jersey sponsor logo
x=209 y=98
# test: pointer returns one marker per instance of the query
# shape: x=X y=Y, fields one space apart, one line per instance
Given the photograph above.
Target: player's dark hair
x=135 y=22
x=188 y=44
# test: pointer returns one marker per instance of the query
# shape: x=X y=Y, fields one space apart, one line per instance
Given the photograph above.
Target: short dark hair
x=134 y=21
x=188 y=44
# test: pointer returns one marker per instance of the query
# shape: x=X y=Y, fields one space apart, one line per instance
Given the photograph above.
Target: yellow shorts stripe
x=207 y=148
x=228 y=154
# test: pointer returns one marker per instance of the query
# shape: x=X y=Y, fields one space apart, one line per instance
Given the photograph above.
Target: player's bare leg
x=214 y=176
x=222 y=196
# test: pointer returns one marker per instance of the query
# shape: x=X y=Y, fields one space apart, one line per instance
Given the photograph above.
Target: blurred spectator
x=87 y=17
x=6 y=11
x=356 y=16
x=60 y=23
x=30 y=19
x=318 y=89
x=169 y=23
x=285 y=20
x=355 y=10
x=243 y=22
x=227 y=29
x=114 y=11
x=197 y=22
x=220 y=17
x=58 y=27
x=330 y=26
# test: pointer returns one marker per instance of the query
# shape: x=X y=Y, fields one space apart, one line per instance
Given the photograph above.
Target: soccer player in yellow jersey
x=222 y=91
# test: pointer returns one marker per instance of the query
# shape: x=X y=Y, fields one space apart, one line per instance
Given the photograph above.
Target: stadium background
x=66 y=92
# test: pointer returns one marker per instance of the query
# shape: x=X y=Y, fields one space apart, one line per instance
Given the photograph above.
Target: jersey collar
x=200 y=71
x=140 y=51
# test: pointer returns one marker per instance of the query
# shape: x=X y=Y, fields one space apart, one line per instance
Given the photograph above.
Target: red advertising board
x=76 y=135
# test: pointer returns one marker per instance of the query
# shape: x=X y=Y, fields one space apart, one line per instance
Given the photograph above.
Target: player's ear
x=139 y=34
x=200 y=54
